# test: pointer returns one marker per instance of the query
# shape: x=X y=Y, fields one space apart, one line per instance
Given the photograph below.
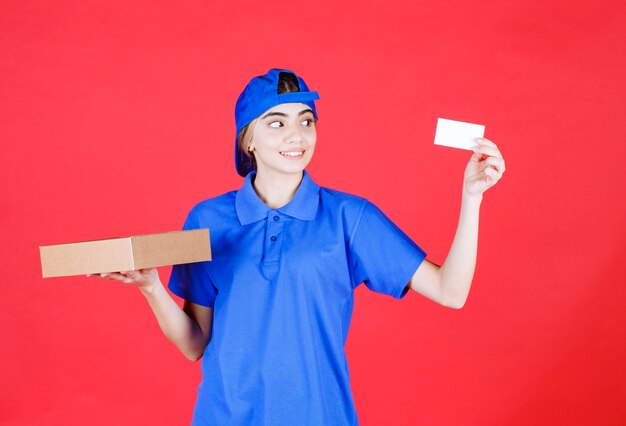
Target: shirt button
x=273 y=238
x=276 y=218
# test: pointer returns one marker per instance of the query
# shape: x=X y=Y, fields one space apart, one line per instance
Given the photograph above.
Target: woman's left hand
x=484 y=169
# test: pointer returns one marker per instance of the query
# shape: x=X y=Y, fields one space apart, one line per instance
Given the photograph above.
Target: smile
x=295 y=155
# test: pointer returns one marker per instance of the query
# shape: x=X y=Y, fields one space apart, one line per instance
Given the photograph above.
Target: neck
x=276 y=190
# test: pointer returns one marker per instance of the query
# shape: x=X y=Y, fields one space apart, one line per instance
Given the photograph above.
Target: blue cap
x=260 y=95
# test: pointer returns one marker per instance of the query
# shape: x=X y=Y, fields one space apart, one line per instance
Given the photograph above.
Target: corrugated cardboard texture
x=125 y=254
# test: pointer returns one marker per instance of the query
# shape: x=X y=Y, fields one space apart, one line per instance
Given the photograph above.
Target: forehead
x=287 y=109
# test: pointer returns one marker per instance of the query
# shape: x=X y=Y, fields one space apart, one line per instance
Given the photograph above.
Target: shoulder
x=331 y=198
x=356 y=212
x=221 y=201
x=217 y=208
x=348 y=208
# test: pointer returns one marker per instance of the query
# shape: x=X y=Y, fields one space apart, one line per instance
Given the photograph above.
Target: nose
x=294 y=134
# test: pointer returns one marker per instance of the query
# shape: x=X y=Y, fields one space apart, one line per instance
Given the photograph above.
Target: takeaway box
x=125 y=254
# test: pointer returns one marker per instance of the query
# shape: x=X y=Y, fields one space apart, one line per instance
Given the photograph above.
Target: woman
x=270 y=313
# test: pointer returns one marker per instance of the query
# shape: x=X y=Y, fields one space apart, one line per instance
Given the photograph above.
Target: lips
x=292 y=155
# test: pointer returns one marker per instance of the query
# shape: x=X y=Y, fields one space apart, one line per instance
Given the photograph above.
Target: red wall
x=117 y=117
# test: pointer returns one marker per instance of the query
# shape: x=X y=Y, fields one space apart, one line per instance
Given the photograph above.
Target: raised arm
x=449 y=284
x=189 y=329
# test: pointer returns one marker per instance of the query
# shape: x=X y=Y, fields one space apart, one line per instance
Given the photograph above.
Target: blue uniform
x=282 y=284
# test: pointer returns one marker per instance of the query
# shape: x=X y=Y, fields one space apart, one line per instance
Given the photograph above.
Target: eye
x=275 y=124
x=308 y=122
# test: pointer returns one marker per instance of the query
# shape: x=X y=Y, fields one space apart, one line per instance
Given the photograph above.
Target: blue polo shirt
x=282 y=284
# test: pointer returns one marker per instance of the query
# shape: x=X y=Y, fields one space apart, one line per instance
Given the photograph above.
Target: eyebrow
x=281 y=114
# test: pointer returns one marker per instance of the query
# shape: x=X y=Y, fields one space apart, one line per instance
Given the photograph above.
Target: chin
x=292 y=170
x=277 y=165
x=289 y=169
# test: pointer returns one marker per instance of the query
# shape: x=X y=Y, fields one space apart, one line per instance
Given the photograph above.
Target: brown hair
x=287 y=82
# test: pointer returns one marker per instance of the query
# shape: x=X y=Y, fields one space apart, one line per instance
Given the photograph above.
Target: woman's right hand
x=144 y=279
x=189 y=328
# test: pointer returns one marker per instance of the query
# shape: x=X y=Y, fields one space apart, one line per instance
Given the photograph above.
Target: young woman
x=270 y=313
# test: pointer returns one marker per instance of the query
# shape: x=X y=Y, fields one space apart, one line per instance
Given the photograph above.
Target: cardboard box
x=125 y=254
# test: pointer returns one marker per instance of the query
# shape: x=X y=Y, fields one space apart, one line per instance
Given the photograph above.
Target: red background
x=117 y=117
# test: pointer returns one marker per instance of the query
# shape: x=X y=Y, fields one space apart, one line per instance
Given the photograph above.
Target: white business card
x=458 y=134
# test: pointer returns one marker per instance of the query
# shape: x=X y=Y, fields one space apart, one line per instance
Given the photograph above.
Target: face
x=283 y=139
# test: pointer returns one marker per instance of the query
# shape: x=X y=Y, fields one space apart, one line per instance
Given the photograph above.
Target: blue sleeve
x=381 y=255
x=191 y=281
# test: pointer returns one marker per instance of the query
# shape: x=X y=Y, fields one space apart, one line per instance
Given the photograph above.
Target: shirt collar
x=302 y=206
